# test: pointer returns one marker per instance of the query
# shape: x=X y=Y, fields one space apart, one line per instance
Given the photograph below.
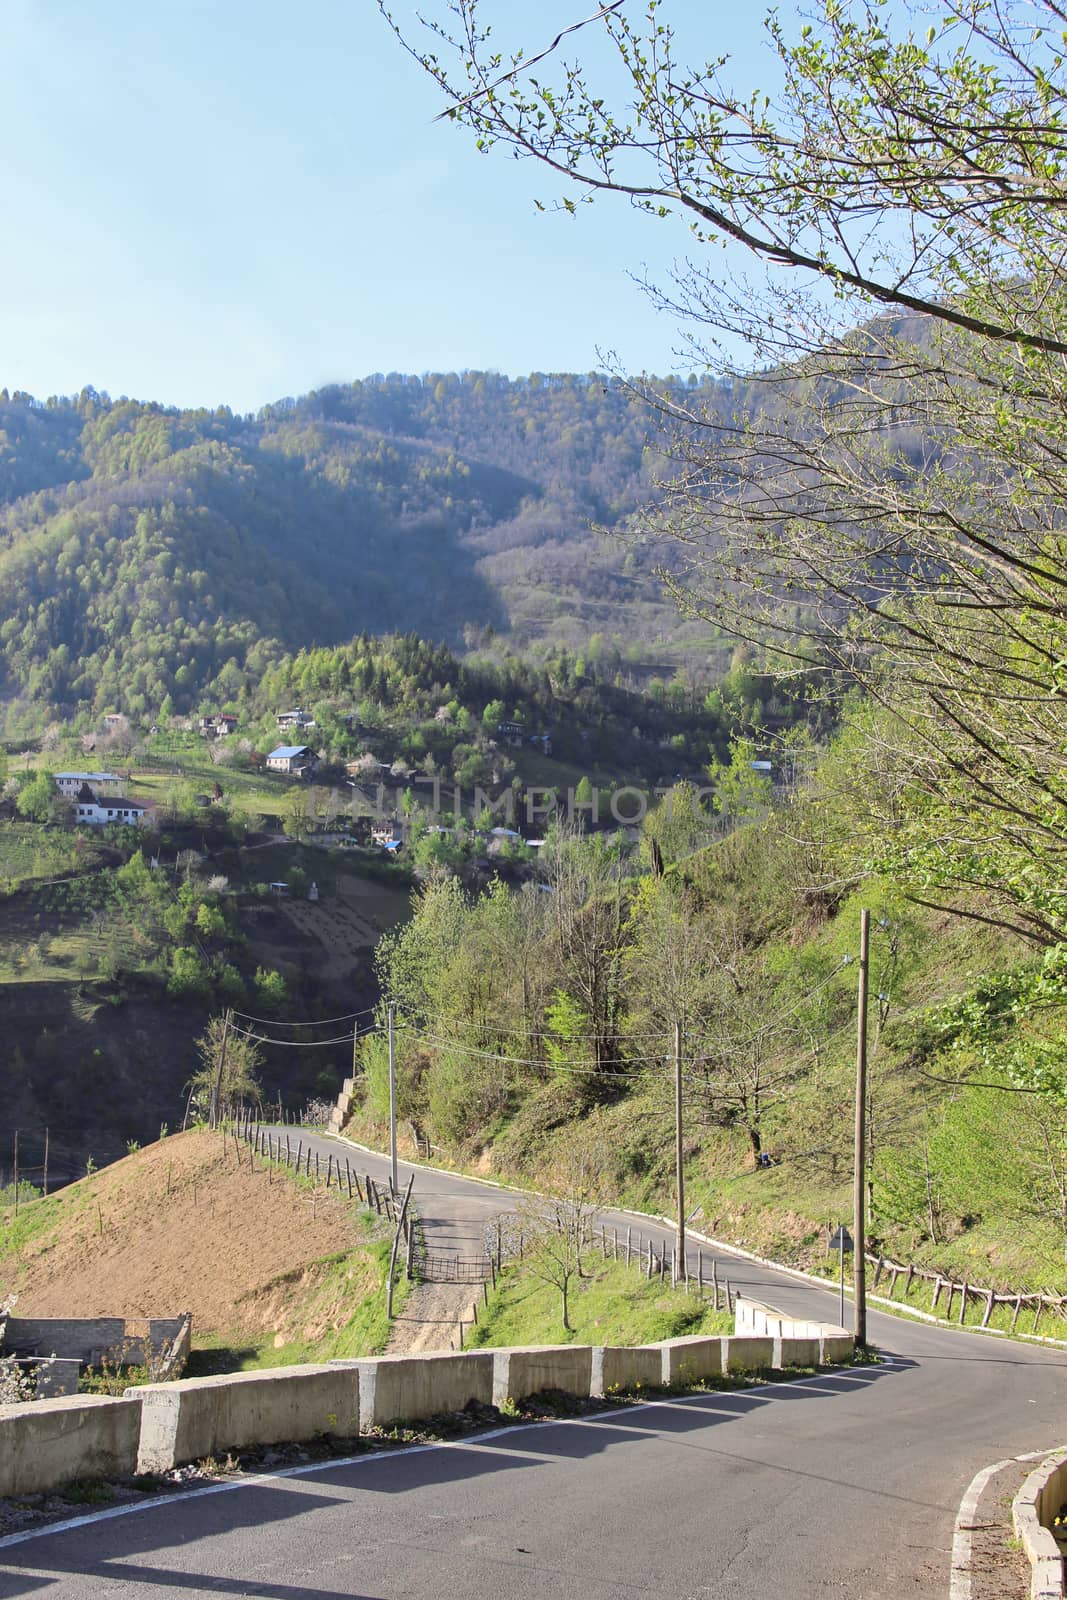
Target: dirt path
x=430 y=1317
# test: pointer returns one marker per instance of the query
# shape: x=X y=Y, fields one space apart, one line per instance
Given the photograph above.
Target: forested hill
x=147 y=551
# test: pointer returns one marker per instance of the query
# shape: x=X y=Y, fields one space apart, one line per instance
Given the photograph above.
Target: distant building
x=384 y=834
x=293 y=759
x=95 y=813
x=69 y=783
x=217 y=727
x=294 y=719
x=313 y=892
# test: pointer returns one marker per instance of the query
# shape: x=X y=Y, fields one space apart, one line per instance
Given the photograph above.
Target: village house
x=69 y=783
x=217 y=727
x=294 y=719
x=384 y=834
x=296 y=760
x=89 y=811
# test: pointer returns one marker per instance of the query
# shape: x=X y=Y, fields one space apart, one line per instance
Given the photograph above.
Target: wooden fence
x=978 y=1294
x=292 y=1151
x=660 y=1261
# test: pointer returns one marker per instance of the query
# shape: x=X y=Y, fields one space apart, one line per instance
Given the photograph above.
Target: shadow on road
x=104 y=1551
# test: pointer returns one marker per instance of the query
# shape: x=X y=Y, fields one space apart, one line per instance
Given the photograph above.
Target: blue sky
x=215 y=201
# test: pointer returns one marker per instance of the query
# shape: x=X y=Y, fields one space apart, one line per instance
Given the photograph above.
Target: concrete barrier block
x=197 y=1417
x=836 y=1347
x=404 y=1388
x=690 y=1359
x=622 y=1367
x=518 y=1373
x=51 y=1442
x=746 y=1354
x=800 y=1352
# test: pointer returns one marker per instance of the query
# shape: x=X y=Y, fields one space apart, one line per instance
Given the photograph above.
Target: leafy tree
x=234 y=1075
x=893 y=515
x=271 y=994
x=38 y=800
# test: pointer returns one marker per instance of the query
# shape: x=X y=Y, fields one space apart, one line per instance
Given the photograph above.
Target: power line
x=292 y=1044
x=323 y=1022
x=572 y=1067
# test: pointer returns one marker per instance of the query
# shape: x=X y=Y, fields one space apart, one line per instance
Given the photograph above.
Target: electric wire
x=321 y=1022
x=293 y=1044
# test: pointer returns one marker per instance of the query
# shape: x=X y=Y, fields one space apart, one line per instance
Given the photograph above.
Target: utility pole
x=859 y=1263
x=217 y=1088
x=46 y=1161
x=16 y=1172
x=678 y=1161
x=392 y=1097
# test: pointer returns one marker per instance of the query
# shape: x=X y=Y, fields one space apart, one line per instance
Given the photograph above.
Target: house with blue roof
x=296 y=760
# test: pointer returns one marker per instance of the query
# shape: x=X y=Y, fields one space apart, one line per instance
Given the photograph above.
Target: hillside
x=272 y=1269
x=148 y=553
x=556 y=1069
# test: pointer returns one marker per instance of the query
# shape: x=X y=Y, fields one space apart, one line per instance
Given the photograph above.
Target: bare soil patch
x=182 y=1225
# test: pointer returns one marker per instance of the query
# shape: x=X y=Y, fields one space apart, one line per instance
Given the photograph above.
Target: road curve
x=842 y=1485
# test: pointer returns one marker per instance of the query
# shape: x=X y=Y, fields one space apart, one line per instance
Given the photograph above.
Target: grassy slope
x=613 y=1305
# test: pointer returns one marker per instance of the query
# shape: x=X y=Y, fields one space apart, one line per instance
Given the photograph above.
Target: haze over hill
x=147 y=552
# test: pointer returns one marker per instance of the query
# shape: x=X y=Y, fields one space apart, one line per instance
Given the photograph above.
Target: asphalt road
x=842 y=1485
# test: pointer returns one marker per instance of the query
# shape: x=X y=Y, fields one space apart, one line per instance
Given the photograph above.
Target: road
x=838 y=1485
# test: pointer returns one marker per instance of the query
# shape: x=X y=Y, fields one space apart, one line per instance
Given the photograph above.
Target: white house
x=294 y=719
x=113 y=808
x=293 y=759
x=69 y=783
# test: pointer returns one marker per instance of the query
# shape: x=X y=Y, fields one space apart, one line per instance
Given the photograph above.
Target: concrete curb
x=1027 y=1510
x=960 y=1585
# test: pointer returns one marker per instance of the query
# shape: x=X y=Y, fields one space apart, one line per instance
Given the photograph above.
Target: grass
x=354 y=1279
x=33 y=1218
x=615 y=1304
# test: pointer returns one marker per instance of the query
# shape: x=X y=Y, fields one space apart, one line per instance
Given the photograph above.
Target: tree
x=233 y=1076
x=882 y=500
x=553 y=1233
x=298 y=814
x=37 y=800
x=586 y=908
